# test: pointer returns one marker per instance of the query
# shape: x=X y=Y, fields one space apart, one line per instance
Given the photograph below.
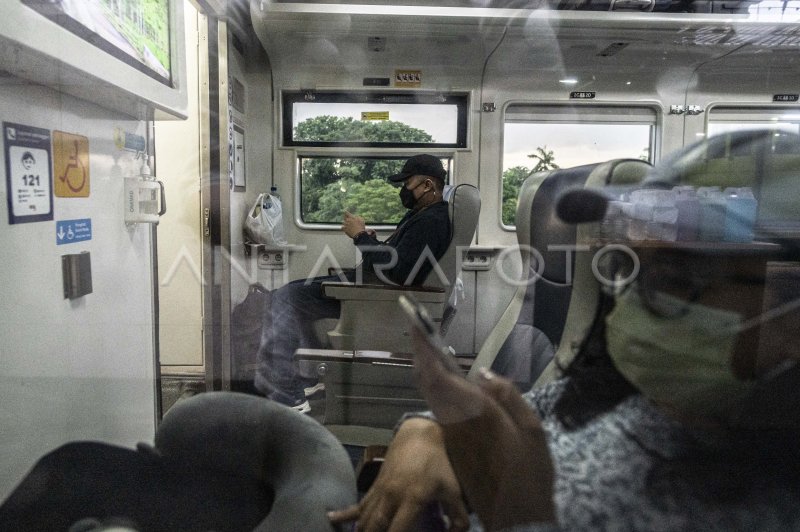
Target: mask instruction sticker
x=29 y=190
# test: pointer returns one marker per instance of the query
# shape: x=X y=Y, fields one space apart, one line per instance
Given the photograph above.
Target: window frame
x=607 y=113
x=460 y=99
x=728 y=113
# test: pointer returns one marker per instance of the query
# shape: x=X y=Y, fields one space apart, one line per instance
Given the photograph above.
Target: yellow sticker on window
x=375 y=115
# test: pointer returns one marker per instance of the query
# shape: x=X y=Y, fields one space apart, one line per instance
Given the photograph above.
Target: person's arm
x=429 y=229
x=415 y=473
x=495 y=442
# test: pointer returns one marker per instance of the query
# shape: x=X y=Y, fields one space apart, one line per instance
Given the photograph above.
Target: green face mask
x=682 y=361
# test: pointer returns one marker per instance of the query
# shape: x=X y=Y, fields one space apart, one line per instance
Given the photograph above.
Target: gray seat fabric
x=306 y=467
x=221 y=461
x=523 y=343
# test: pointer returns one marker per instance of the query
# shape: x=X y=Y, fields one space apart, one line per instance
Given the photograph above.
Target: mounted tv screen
x=134 y=31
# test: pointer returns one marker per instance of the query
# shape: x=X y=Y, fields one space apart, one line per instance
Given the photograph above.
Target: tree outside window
x=331 y=185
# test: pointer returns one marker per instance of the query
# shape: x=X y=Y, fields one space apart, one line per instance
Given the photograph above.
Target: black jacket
x=429 y=227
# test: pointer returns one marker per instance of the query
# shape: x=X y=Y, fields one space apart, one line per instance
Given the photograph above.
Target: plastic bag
x=264 y=222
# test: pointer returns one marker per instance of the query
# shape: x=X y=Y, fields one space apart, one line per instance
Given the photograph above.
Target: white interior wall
x=256 y=121
x=177 y=150
x=83 y=368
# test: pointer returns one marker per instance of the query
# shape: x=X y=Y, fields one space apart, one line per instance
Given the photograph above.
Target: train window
x=777 y=211
x=725 y=119
x=372 y=119
x=540 y=138
x=329 y=185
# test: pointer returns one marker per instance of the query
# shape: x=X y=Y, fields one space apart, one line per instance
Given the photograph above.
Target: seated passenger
x=405 y=258
x=679 y=411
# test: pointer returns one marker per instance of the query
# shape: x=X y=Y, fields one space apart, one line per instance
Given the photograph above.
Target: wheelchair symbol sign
x=70 y=165
x=71 y=231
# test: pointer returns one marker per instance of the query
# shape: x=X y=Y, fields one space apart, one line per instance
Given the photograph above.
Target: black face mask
x=407 y=198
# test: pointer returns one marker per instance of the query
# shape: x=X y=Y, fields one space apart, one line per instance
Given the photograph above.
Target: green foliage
x=375 y=200
x=346 y=129
x=145 y=25
x=513 y=178
x=512 y=181
x=364 y=180
x=545 y=159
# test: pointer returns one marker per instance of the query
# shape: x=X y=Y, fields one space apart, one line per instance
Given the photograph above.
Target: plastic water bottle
x=664 y=224
x=273 y=191
x=712 y=214
x=740 y=214
x=688 y=206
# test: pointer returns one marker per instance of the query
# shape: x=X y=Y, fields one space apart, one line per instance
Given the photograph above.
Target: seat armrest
x=381 y=292
x=322 y=355
x=340 y=271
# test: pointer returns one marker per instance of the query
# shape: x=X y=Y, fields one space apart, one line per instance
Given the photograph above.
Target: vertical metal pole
x=217 y=360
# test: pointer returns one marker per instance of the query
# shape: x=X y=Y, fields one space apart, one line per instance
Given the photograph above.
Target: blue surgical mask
x=683 y=360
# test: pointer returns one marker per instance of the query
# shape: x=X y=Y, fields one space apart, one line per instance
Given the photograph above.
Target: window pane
x=375 y=120
x=331 y=185
x=726 y=119
x=777 y=211
x=535 y=146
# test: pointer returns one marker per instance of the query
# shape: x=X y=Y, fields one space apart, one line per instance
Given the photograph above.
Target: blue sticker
x=71 y=231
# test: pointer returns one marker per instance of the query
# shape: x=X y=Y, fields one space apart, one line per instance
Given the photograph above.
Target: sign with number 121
x=29 y=190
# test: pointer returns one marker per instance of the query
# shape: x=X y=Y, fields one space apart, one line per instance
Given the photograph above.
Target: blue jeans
x=294 y=308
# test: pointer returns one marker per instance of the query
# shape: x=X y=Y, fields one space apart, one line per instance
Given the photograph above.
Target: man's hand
x=352 y=224
x=494 y=441
x=414 y=474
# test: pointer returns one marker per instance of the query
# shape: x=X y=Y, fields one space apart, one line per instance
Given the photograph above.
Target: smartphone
x=420 y=319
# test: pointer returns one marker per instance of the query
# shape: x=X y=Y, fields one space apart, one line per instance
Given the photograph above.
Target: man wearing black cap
x=405 y=258
x=426 y=224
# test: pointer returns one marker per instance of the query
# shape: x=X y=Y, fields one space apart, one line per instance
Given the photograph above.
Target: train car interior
x=171 y=164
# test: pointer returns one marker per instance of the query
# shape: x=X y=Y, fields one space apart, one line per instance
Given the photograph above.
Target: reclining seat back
x=370 y=317
x=533 y=325
x=522 y=341
x=464 y=207
x=585 y=293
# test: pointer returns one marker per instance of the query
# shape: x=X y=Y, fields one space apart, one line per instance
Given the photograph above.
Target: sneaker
x=303 y=407
x=311 y=390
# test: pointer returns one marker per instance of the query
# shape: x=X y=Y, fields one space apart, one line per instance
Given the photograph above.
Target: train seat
x=369 y=313
x=521 y=343
x=221 y=461
x=577 y=304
